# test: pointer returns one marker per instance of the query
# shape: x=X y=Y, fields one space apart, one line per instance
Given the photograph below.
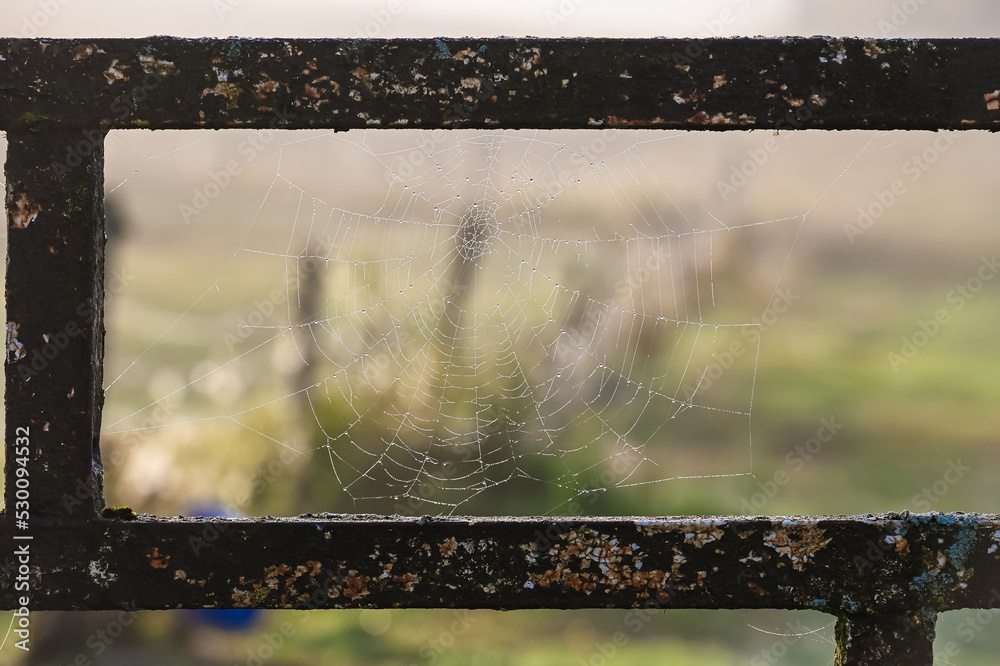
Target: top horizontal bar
x=735 y=83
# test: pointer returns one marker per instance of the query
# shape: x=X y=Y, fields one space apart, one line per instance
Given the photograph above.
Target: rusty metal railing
x=884 y=577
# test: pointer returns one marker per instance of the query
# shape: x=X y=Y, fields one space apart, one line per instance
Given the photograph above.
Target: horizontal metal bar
x=735 y=83
x=858 y=566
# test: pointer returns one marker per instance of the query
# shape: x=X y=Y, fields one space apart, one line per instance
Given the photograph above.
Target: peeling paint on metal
x=22 y=209
x=15 y=348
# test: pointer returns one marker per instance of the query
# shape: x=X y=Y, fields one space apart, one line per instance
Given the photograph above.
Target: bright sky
x=548 y=18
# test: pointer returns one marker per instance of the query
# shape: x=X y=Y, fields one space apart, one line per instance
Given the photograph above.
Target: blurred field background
x=826 y=357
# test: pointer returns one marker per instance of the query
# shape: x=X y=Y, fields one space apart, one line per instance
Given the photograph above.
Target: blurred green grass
x=825 y=357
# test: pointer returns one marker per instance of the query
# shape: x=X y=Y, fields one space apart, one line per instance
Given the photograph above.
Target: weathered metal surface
x=737 y=83
x=848 y=566
x=904 y=637
x=55 y=325
x=884 y=577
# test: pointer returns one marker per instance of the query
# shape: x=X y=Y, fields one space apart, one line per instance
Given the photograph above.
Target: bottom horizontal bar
x=848 y=566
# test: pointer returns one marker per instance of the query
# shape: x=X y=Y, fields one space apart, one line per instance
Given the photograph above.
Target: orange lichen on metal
x=448 y=546
x=230 y=91
x=115 y=72
x=797 y=541
x=702 y=118
x=901 y=544
x=157 y=560
x=353 y=586
x=587 y=559
x=22 y=210
x=153 y=65
x=407 y=581
x=695 y=95
x=701 y=533
x=618 y=121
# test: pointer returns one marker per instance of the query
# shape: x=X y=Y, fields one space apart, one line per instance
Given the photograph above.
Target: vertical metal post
x=55 y=325
x=898 y=639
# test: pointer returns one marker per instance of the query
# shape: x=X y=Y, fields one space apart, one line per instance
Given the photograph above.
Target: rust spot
x=82 y=51
x=156 y=560
x=22 y=210
x=700 y=118
x=264 y=88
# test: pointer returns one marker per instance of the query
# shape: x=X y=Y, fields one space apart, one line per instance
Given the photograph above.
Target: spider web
x=464 y=320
